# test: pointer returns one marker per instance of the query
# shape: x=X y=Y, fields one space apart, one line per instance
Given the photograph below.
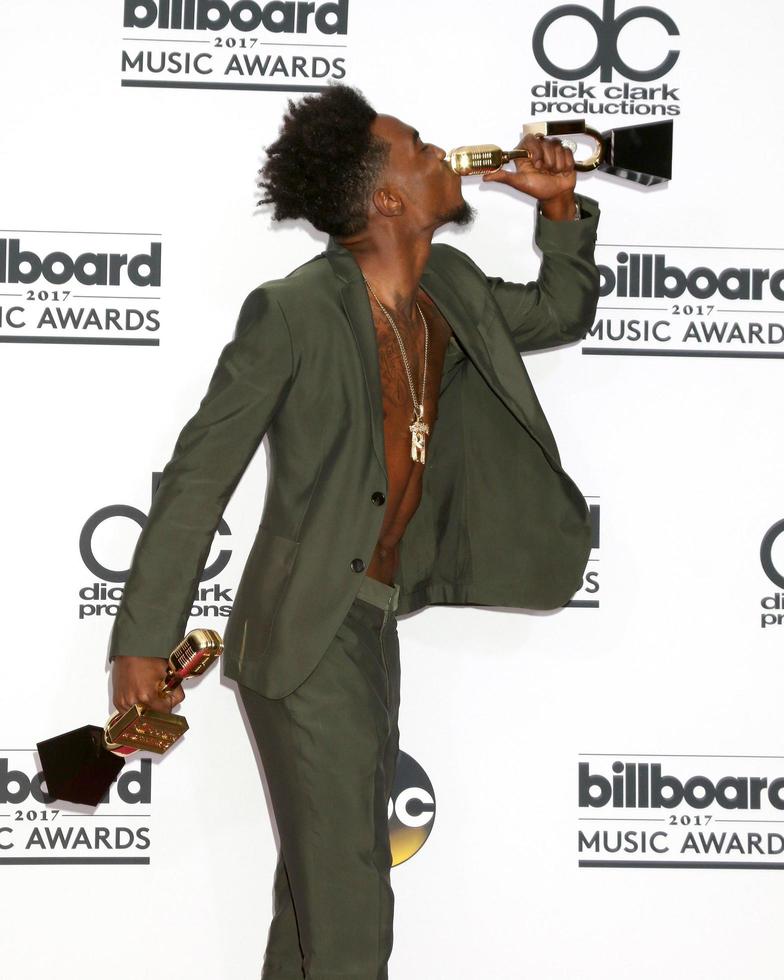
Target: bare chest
x=404 y=474
x=410 y=375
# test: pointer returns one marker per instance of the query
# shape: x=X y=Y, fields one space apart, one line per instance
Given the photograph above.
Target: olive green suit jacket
x=499 y=523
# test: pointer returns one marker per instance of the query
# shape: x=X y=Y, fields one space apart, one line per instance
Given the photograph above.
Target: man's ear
x=387 y=202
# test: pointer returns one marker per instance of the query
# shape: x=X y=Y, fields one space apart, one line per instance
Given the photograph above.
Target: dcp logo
x=607 y=28
x=139 y=517
x=766 y=554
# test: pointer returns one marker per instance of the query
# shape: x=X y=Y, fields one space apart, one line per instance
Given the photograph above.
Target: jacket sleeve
x=560 y=306
x=249 y=382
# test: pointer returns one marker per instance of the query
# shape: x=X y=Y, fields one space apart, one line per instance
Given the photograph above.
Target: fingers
x=167 y=701
x=148 y=695
x=556 y=158
x=548 y=155
x=136 y=680
x=537 y=150
x=501 y=176
x=177 y=696
x=545 y=155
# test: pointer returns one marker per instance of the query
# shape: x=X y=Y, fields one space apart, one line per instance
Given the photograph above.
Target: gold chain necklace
x=418 y=428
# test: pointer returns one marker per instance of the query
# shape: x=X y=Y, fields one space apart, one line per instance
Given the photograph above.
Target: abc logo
x=412 y=809
x=766 y=554
x=607 y=29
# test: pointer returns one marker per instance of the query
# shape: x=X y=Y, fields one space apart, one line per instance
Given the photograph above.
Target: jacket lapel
x=353 y=295
x=458 y=316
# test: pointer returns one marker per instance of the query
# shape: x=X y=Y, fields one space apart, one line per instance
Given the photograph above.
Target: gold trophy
x=79 y=766
x=641 y=153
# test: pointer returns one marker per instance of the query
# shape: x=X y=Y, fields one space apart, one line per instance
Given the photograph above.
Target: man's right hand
x=135 y=681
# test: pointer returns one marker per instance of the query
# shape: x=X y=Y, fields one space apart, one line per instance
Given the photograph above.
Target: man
x=411 y=464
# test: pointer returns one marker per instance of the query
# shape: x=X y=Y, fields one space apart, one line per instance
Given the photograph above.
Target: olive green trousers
x=329 y=751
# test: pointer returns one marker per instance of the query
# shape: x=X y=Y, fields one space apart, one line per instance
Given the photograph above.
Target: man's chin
x=462 y=214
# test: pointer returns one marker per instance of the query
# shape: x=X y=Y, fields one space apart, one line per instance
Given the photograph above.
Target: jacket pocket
x=260 y=591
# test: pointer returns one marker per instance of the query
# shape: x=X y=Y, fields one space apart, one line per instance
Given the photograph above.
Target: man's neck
x=393 y=265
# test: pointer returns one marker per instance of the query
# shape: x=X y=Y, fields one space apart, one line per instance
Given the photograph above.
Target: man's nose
x=441 y=153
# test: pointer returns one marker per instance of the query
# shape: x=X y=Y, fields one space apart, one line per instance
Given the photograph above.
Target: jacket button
x=378 y=498
x=357 y=565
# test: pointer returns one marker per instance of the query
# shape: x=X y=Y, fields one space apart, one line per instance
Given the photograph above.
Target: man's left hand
x=547 y=174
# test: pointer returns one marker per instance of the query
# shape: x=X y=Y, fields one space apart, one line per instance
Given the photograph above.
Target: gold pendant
x=418 y=430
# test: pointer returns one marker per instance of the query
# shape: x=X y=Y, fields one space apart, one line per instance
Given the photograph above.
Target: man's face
x=431 y=191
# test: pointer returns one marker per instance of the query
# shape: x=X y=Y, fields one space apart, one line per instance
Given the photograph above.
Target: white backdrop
x=672 y=660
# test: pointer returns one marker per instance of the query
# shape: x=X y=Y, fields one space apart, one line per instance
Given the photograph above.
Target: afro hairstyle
x=325 y=162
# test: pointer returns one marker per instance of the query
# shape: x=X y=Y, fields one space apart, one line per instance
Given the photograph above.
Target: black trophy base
x=77 y=767
x=640 y=153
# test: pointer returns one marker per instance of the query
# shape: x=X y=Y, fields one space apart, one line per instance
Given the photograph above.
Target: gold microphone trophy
x=642 y=153
x=79 y=766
